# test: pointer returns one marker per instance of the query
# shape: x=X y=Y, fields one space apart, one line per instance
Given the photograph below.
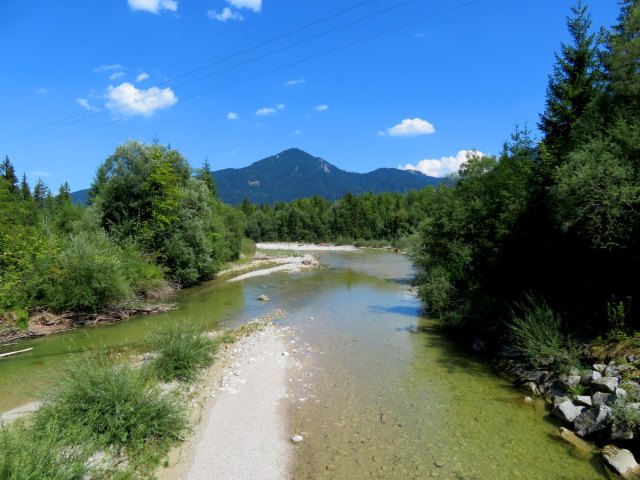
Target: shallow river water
x=381 y=393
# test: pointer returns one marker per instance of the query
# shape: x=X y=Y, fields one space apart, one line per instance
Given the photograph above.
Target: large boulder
x=599 y=367
x=605 y=384
x=567 y=411
x=592 y=420
x=584 y=400
x=620 y=460
x=569 y=381
x=614 y=370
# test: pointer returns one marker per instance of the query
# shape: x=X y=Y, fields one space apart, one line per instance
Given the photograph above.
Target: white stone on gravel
x=297 y=439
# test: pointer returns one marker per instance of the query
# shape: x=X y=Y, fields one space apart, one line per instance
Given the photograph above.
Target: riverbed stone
x=584 y=400
x=567 y=411
x=590 y=376
x=559 y=400
x=263 y=298
x=297 y=439
x=592 y=420
x=620 y=460
x=570 y=381
x=599 y=367
x=602 y=398
x=532 y=388
x=605 y=384
x=614 y=370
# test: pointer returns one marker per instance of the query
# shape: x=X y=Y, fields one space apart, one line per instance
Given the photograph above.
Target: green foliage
x=625 y=415
x=536 y=331
x=182 y=351
x=30 y=454
x=117 y=405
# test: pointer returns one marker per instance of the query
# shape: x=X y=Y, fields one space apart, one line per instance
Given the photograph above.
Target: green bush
x=117 y=405
x=30 y=454
x=535 y=331
x=182 y=352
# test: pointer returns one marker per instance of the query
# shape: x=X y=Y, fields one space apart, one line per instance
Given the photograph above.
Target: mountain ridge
x=294 y=173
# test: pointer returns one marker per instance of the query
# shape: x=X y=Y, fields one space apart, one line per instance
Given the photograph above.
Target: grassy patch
x=30 y=454
x=249 y=328
x=117 y=406
x=182 y=352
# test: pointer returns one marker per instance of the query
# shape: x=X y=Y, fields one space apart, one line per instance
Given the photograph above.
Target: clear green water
x=385 y=395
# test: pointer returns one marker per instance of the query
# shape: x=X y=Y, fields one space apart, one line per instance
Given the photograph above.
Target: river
x=382 y=393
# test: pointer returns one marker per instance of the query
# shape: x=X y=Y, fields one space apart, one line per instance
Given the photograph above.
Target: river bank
x=239 y=405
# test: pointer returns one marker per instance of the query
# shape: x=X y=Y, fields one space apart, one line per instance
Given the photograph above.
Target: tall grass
x=536 y=332
x=43 y=454
x=117 y=405
x=182 y=352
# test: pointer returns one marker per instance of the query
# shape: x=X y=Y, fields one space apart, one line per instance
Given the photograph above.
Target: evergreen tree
x=64 y=193
x=9 y=174
x=40 y=192
x=25 y=190
x=572 y=86
x=204 y=173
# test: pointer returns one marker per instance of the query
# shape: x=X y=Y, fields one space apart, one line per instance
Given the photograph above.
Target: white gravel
x=245 y=431
x=287 y=264
x=305 y=247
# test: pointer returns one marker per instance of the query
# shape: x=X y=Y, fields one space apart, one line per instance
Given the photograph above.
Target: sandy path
x=244 y=433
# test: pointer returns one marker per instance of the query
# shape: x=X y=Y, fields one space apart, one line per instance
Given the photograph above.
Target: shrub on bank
x=536 y=332
x=182 y=352
x=117 y=405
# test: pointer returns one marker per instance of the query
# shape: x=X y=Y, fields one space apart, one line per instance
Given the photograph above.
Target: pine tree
x=40 y=192
x=64 y=193
x=9 y=174
x=25 y=190
x=204 y=173
x=574 y=84
x=622 y=58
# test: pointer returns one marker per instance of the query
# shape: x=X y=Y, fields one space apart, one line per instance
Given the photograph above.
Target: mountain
x=294 y=174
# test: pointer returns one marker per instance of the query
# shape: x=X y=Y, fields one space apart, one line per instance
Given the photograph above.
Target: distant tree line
x=152 y=219
x=387 y=217
x=550 y=225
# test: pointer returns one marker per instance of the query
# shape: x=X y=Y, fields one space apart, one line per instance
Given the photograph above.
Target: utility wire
x=286 y=66
x=208 y=65
x=125 y=104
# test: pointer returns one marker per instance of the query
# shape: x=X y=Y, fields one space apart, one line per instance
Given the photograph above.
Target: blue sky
x=81 y=77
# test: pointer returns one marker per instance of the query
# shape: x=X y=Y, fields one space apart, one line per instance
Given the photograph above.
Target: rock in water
x=620 y=460
x=566 y=411
x=263 y=298
x=297 y=439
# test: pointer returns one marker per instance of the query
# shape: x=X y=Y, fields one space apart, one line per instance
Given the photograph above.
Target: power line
x=203 y=67
x=286 y=66
x=125 y=104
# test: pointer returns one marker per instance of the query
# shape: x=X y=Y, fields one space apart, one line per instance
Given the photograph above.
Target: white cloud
x=42 y=91
x=322 y=108
x=232 y=116
x=127 y=100
x=108 y=68
x=265 y=111
x=443 y=166
x=142 y=76
x=117 y=75
x=291 y=83
x=153 y=6
x=84 y=103
x=224 y=15
x=255 y=5
x=298 y=132
x=410 y=127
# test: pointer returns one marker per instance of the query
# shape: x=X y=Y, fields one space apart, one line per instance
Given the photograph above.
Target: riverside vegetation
x=152 y=223
x=537 y=248
x=109 y=420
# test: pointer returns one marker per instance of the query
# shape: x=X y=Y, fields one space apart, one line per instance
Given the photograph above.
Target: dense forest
x=367 y=218
x=549 y=230
x=152 y=221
